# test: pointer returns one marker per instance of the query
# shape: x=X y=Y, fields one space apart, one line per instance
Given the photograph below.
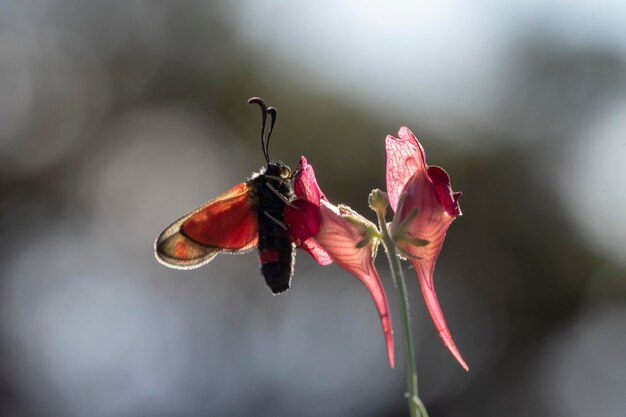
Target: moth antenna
x=273 y=115
x=264 y=111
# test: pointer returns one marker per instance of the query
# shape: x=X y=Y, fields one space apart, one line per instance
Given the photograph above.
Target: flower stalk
x=423 y=205
x=379 y=203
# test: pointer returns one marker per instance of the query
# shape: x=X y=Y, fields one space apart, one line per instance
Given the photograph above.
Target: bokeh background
x=118 y=117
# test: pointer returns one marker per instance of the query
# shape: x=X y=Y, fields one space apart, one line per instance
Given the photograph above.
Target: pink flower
x=425 y=206
x=338 y=234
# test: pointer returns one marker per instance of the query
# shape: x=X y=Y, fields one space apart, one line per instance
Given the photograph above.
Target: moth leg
x=275 y=220
x=281 y=196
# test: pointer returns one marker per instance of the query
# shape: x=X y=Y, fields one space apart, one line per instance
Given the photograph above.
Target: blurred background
x=118 y=118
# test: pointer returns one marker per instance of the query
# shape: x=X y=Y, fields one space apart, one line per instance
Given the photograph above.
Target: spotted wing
x=227 y=223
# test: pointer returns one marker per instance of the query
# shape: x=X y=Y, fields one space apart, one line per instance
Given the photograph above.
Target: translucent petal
x=405 y=158
x=427 y=208
x=339 y=238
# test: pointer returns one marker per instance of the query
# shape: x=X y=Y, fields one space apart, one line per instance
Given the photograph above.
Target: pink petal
x=405 y=158
x=425 y=277
x=318 y=227
x=305 y=186
x=339 y=238
x=316 y=251
x=438 y=207
x=303 y=218
x=303 y=215
x=441 y=183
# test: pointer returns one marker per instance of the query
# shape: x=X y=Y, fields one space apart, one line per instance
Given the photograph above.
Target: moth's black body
x=276 y=251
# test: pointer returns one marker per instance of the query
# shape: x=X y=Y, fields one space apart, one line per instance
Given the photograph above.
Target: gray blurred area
x=116 y=118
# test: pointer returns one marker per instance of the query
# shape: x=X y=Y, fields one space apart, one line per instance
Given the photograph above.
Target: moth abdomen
x=276 y=251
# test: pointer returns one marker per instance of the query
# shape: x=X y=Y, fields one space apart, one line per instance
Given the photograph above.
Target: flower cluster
x=424 y=207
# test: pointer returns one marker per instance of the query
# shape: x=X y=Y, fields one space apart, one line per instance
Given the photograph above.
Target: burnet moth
x=249 y=215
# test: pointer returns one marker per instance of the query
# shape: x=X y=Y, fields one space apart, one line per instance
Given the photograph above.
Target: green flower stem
x=415 y=404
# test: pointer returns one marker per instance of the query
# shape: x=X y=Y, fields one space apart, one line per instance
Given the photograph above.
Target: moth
x=249 y=215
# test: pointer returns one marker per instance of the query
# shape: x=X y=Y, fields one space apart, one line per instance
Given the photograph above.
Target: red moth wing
x=226 y=223
x=229 y=222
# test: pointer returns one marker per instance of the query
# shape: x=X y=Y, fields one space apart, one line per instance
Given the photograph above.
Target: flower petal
x=305 y=186
x=320 y=228
x=303 y=218
x=303 y=214
x=339 y=237
x=316 y=251
x=405 y=158
x=424 y=275
x=429 y=193
x=441 y=184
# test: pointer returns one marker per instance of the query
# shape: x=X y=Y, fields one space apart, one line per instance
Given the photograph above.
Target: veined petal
x=441 y=184
x=305 y=186
x=405 y=158
x=330 y=234
x=425 y=270
x=428 y=207
x=303 y=214
x=339 y=238
x=316 y=251
x=303 y=218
